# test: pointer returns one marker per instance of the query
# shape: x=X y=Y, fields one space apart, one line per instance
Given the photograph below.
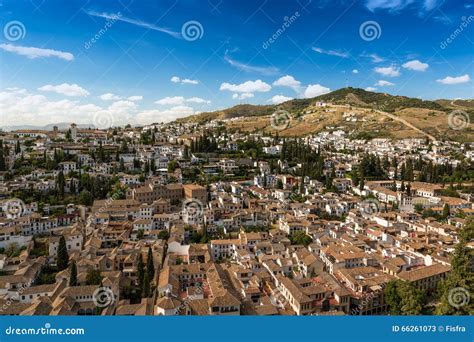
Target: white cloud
x=331 y=52
x=288 y=81
x=374 y=57
x=242 y=96
x=247 y=87
x=267 y=71
x=416 y=65
x=355 y=71
x=65 y=89
x=122 y=107
x=135 y=98
x=20 y=107
x=197 y=100
x=399 y=5
x=155 y=115
x=314 y=90
x=176 y=79
x=119 y=17
x=455 y=80
x=277 y=99
x=33 y=52
x=383 y=83
x=370 y=89
x=390 y=71
x=109 y=97
x=173 y=101
x=180 y=100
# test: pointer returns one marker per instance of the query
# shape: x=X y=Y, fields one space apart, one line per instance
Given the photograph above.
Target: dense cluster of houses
x=256 y=245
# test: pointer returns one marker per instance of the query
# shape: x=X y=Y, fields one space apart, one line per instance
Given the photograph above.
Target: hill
x=360 y=112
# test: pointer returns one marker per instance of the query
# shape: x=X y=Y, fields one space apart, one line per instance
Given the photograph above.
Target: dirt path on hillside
x=406 y=123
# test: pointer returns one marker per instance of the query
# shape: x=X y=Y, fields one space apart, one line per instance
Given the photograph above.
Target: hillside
x=360 y=112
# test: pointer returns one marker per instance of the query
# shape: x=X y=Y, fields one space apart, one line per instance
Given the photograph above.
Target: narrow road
x=406 y=123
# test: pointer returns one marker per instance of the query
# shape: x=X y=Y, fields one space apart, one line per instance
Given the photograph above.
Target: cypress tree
x=73 y=277
x=150 y=268
x=146 y=286
x=62 y=259
x=2 y=158
x=140 y=271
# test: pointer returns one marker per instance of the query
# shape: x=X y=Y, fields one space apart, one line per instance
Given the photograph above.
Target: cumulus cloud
x=19 y=106
x=382 y=83
x=180 y=100
x=416 y=65
x=156 y=115
x=314 y=90
x=454 y=80
x=109 y=97
x=277 y=99
x=34 y=52
x=246 y=87
x=197 y=100
x=176 y=79
x=65 y=89
x=355 y=71
x=370 y=89
x=135 y=98
x=391 y=71
x=242 y=96
x=288 y=81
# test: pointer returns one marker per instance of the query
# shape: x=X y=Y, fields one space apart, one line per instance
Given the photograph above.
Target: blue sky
x=112 y=62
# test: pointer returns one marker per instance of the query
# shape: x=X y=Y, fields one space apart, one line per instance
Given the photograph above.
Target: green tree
x=62 y=258
x=412 y=299
x=73 y=276
x=446 y=211
x=392 y=298
x=457 y=288
x=140 y=271
x=146 y=286
x=300 y=238
x=2 y=157
x=150 y=267
x=403 y=298
x=93 y=277
x=60 y=182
